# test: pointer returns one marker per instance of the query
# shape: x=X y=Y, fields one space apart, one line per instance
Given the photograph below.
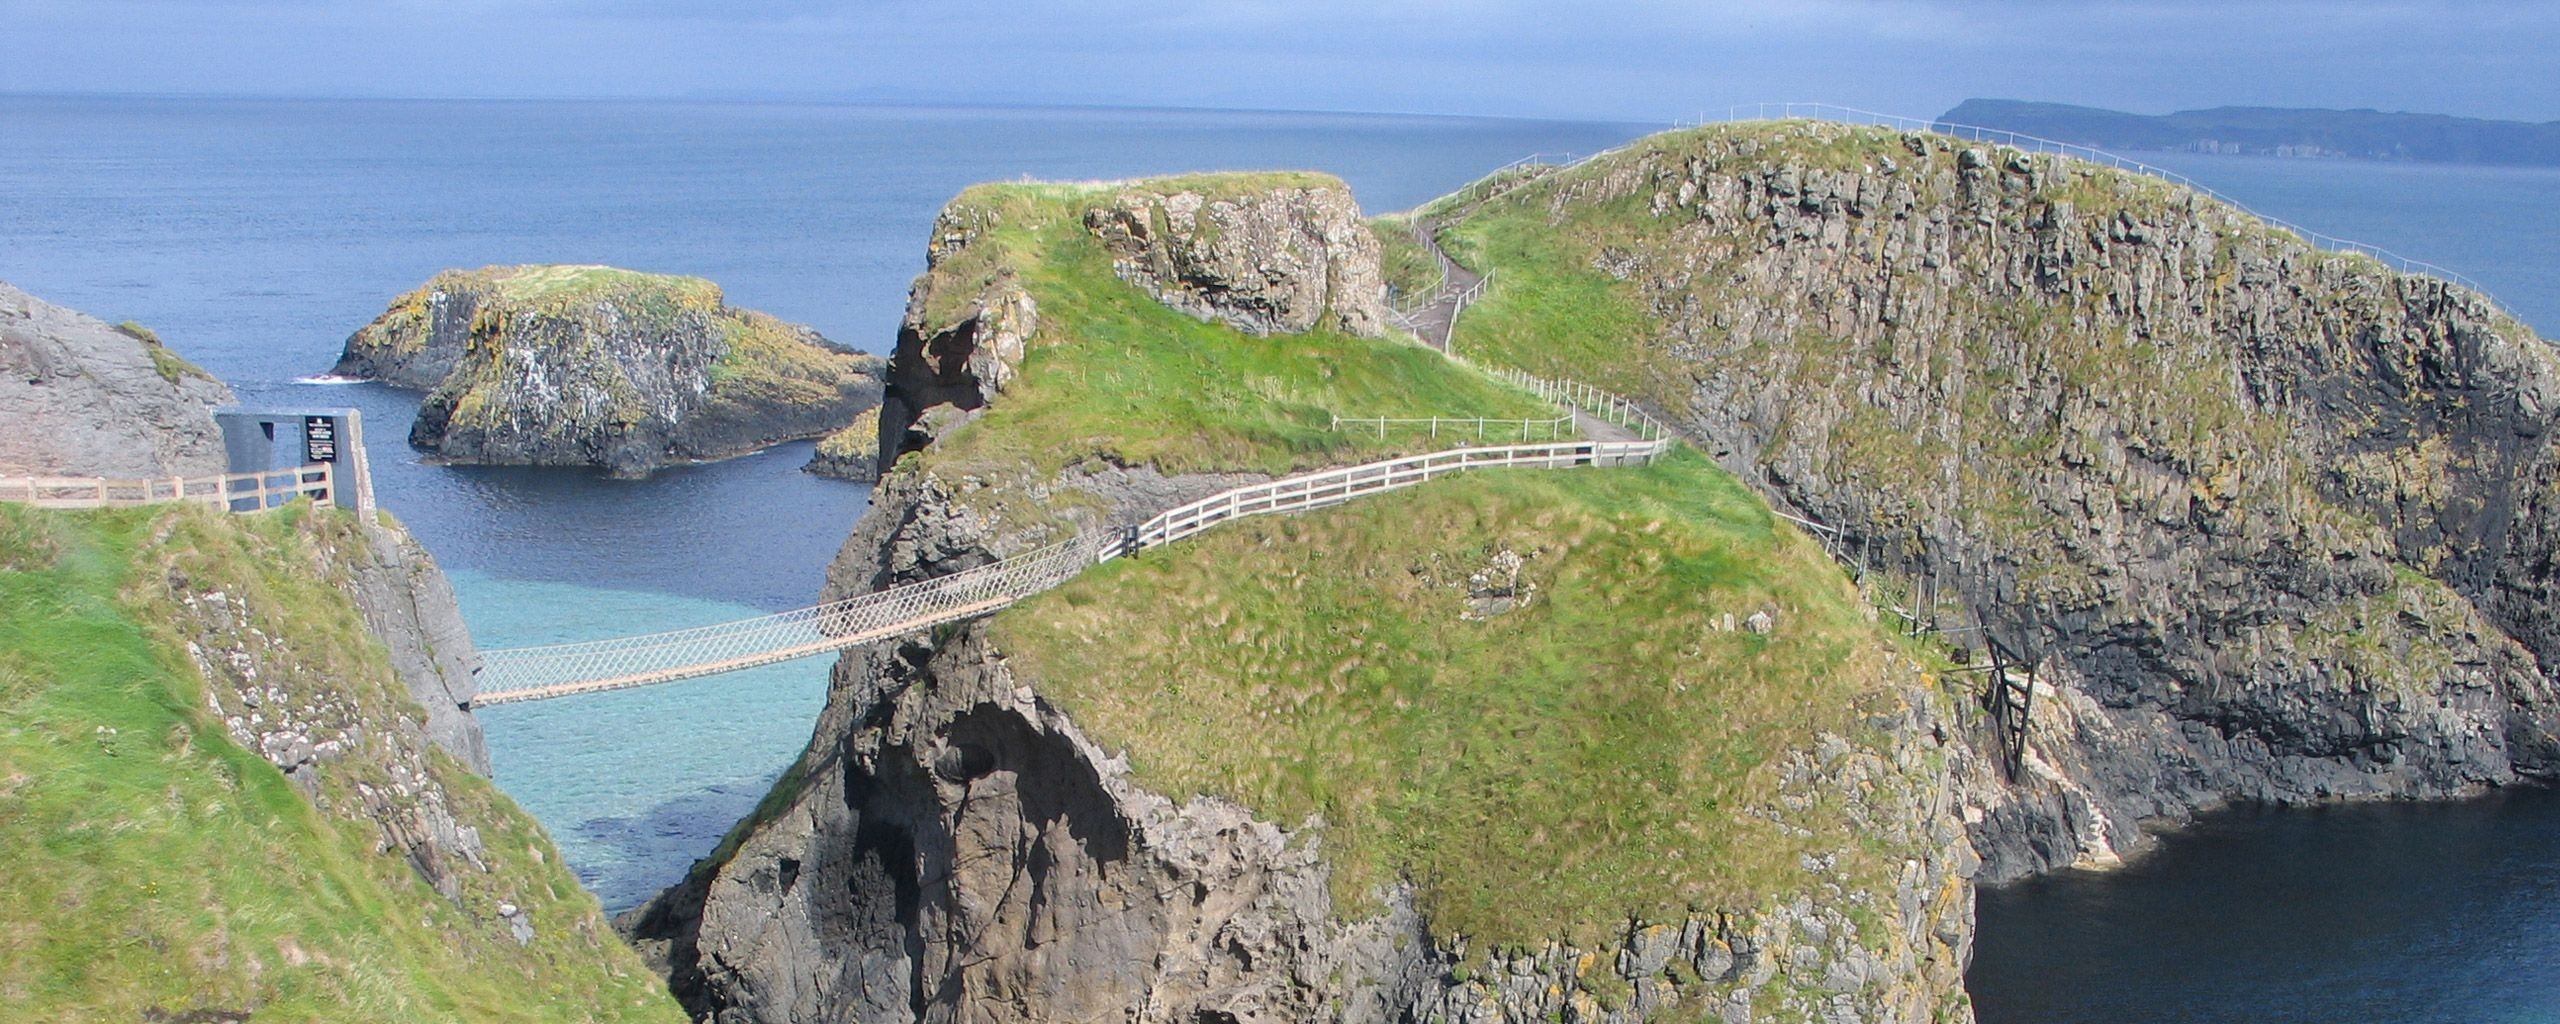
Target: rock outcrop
x=2280 y=520
x=81 y=398
x=953 y=846
x=570 y=365
x=852 y=453
x=85 y=399
x=1289 y=255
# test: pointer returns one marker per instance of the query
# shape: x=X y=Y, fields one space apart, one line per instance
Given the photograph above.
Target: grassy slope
x=1550 y=771
x=153 y=864
x=1410 y=271
x=1551 y=311
x=1112 y=375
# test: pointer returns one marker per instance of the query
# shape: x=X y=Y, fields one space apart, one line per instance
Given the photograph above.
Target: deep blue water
x=2401 y=913
x=255 y=235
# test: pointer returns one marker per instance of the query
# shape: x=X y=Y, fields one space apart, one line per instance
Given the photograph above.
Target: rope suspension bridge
x=1622 y=435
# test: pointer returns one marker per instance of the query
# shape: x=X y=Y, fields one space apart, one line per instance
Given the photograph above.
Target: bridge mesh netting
x=559 y=670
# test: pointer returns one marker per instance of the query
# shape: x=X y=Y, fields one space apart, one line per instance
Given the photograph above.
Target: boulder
x=81 y=398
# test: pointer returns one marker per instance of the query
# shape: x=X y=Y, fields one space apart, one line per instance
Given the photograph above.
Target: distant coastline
x=2279 y=131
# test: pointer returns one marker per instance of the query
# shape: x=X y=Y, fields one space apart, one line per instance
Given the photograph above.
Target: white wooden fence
x=1335 y=486
x=237 y=492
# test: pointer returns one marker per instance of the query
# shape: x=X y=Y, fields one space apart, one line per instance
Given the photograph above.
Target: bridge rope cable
x=557 y=670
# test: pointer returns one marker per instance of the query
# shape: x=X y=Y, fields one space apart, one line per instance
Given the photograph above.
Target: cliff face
x=957 y=844
x=1267 y=259
x=604 y=367
x=220 y=802
x=85 y=399
x=2279 y=519
x=852 y=453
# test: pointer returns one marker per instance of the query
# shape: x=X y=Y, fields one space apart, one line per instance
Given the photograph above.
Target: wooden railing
x=236 y=492
x=1478 y=428
x=559 y=670
x=1334 y=486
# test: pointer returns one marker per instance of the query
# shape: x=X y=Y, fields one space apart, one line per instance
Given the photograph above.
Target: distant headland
x=2279 y=131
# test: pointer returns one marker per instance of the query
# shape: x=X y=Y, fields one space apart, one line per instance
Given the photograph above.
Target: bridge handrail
x=1550 y=429
x=1335 y=486
x=530 y=673
x=264 y=489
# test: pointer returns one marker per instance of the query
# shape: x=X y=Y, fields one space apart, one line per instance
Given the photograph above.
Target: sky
x=1636 y=60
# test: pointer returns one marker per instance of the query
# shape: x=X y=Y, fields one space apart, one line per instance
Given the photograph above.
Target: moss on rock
x=602 y=366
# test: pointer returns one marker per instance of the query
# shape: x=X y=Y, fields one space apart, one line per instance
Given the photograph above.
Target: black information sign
x=320 y=439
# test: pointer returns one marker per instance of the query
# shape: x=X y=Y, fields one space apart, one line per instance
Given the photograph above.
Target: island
x=2278 y=131
x=599 y=366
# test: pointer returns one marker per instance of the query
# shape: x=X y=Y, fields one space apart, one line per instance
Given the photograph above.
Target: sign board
x=319 y=439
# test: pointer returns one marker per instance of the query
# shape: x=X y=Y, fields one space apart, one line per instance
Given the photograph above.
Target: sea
x=255 y=234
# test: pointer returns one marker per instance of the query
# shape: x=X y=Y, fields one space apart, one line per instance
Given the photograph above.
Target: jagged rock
x=1282 y=258
x=952 y=845
x=2282 y=517
x=852 y=453
x=569 y=365
x=81 y=398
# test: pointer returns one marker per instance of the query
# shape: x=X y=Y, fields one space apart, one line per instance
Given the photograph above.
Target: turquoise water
x=685 y=758
x=255 y=235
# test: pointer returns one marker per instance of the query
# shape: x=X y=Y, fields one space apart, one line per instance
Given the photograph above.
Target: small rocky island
x=590 y=365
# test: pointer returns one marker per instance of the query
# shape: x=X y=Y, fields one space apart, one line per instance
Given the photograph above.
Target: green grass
x=859 y=441
x=155 y=867
x=1114 y=377
x=1592 y=756
x=1411 y=272
x=171 y=366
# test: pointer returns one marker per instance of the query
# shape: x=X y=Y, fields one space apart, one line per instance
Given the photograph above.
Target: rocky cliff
x=1267 y=256
x=84 y=399
x=241 y=779
x=2278 y=520
x=852 y=453
x=571 y=365
x=987 y=829
x=220 y=802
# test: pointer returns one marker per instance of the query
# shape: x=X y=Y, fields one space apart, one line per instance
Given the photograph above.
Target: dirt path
x=1434 y=323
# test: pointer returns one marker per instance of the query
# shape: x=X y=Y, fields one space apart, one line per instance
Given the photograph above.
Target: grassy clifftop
x=1535 y=693
x=1112 y=377
x=157 y=868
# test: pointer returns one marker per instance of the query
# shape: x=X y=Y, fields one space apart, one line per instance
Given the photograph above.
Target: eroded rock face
x=1274 y=260
x=952 y=847
x=408 y=603
x=2282 y=518
x=604 y=367
x=80 y=398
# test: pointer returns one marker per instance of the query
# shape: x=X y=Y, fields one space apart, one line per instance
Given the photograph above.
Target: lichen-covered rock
x=852 y=453
x=572 y=365
x=1267 y=258
x=80 y=398
x=2283 y=518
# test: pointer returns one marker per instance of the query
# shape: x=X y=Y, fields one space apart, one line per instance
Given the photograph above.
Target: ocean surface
x=255 y=235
